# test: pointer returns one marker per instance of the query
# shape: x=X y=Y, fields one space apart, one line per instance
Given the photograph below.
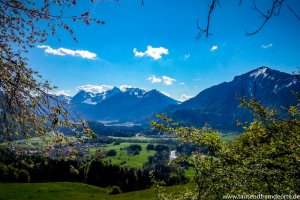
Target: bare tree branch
x=292 y=11
x=273 y=11
x=205 y=31
x=240 y=2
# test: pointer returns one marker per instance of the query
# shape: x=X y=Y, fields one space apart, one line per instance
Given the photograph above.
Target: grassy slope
x=69 y=191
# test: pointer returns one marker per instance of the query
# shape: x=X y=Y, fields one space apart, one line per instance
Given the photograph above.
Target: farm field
x=122 y=158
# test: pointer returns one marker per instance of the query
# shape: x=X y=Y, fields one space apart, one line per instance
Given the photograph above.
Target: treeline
x=37 y=168
x=106 y=175
x=26 y=168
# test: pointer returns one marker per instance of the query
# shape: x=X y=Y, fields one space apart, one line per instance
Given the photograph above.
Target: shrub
x=133 y=149
x=161 y=147
x=115 y=190
x=23 y=176
x=111 y=152
x=150 y=147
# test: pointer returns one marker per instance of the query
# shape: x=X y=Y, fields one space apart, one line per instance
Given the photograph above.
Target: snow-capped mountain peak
x=258 y=72
x=119 y=103
x=91 y=94
x=219 y=105
x=138 y=92
x=124 y=88
x=95 y=89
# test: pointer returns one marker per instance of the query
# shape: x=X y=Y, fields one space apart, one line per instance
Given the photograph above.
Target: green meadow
x=122 y=158
x=71 y=191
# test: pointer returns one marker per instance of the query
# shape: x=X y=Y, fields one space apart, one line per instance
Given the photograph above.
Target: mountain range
x=120 y=105
x=218 y=105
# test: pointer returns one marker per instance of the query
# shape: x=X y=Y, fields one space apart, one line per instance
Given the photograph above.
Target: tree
x=150 y=147
x=263 y=160
x=161 y=147
x=274 y=8
x=134 y=149
x=111 y=152
x=27 y=105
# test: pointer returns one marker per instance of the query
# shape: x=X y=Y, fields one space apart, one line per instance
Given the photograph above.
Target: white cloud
x=138 y=53
x=214 y=48
x=63 y=52
x=164 y=79
x=184 y=97
x=182 y=83
x=123 y=88
x=186 y=56
x=266 y=46
x=167 y=80
x=94 y=88
x=62 y=92
x=155 y=53
x=154 y=79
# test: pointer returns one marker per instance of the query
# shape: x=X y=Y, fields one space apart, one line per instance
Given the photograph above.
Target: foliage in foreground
x=265 y=159
x=27 y=104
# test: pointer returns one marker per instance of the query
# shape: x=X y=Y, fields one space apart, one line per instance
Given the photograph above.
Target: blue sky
x=154 y=46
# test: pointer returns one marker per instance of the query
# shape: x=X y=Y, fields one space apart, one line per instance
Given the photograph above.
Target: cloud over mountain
x=154 y=79
x=266 y=46
x=94 y=88
x=155 y=53
x=164 y=79
x=167 y=80
x=186 y=56
x=62 y=92
x=63 y=52
x=214 y=48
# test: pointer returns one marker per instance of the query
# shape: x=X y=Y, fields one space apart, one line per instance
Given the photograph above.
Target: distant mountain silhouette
x=122 y=105
x=219 y=105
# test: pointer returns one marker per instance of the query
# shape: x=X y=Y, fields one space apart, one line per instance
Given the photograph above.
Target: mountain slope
x=124 y=104
x=152 y=102
x=219 y=105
